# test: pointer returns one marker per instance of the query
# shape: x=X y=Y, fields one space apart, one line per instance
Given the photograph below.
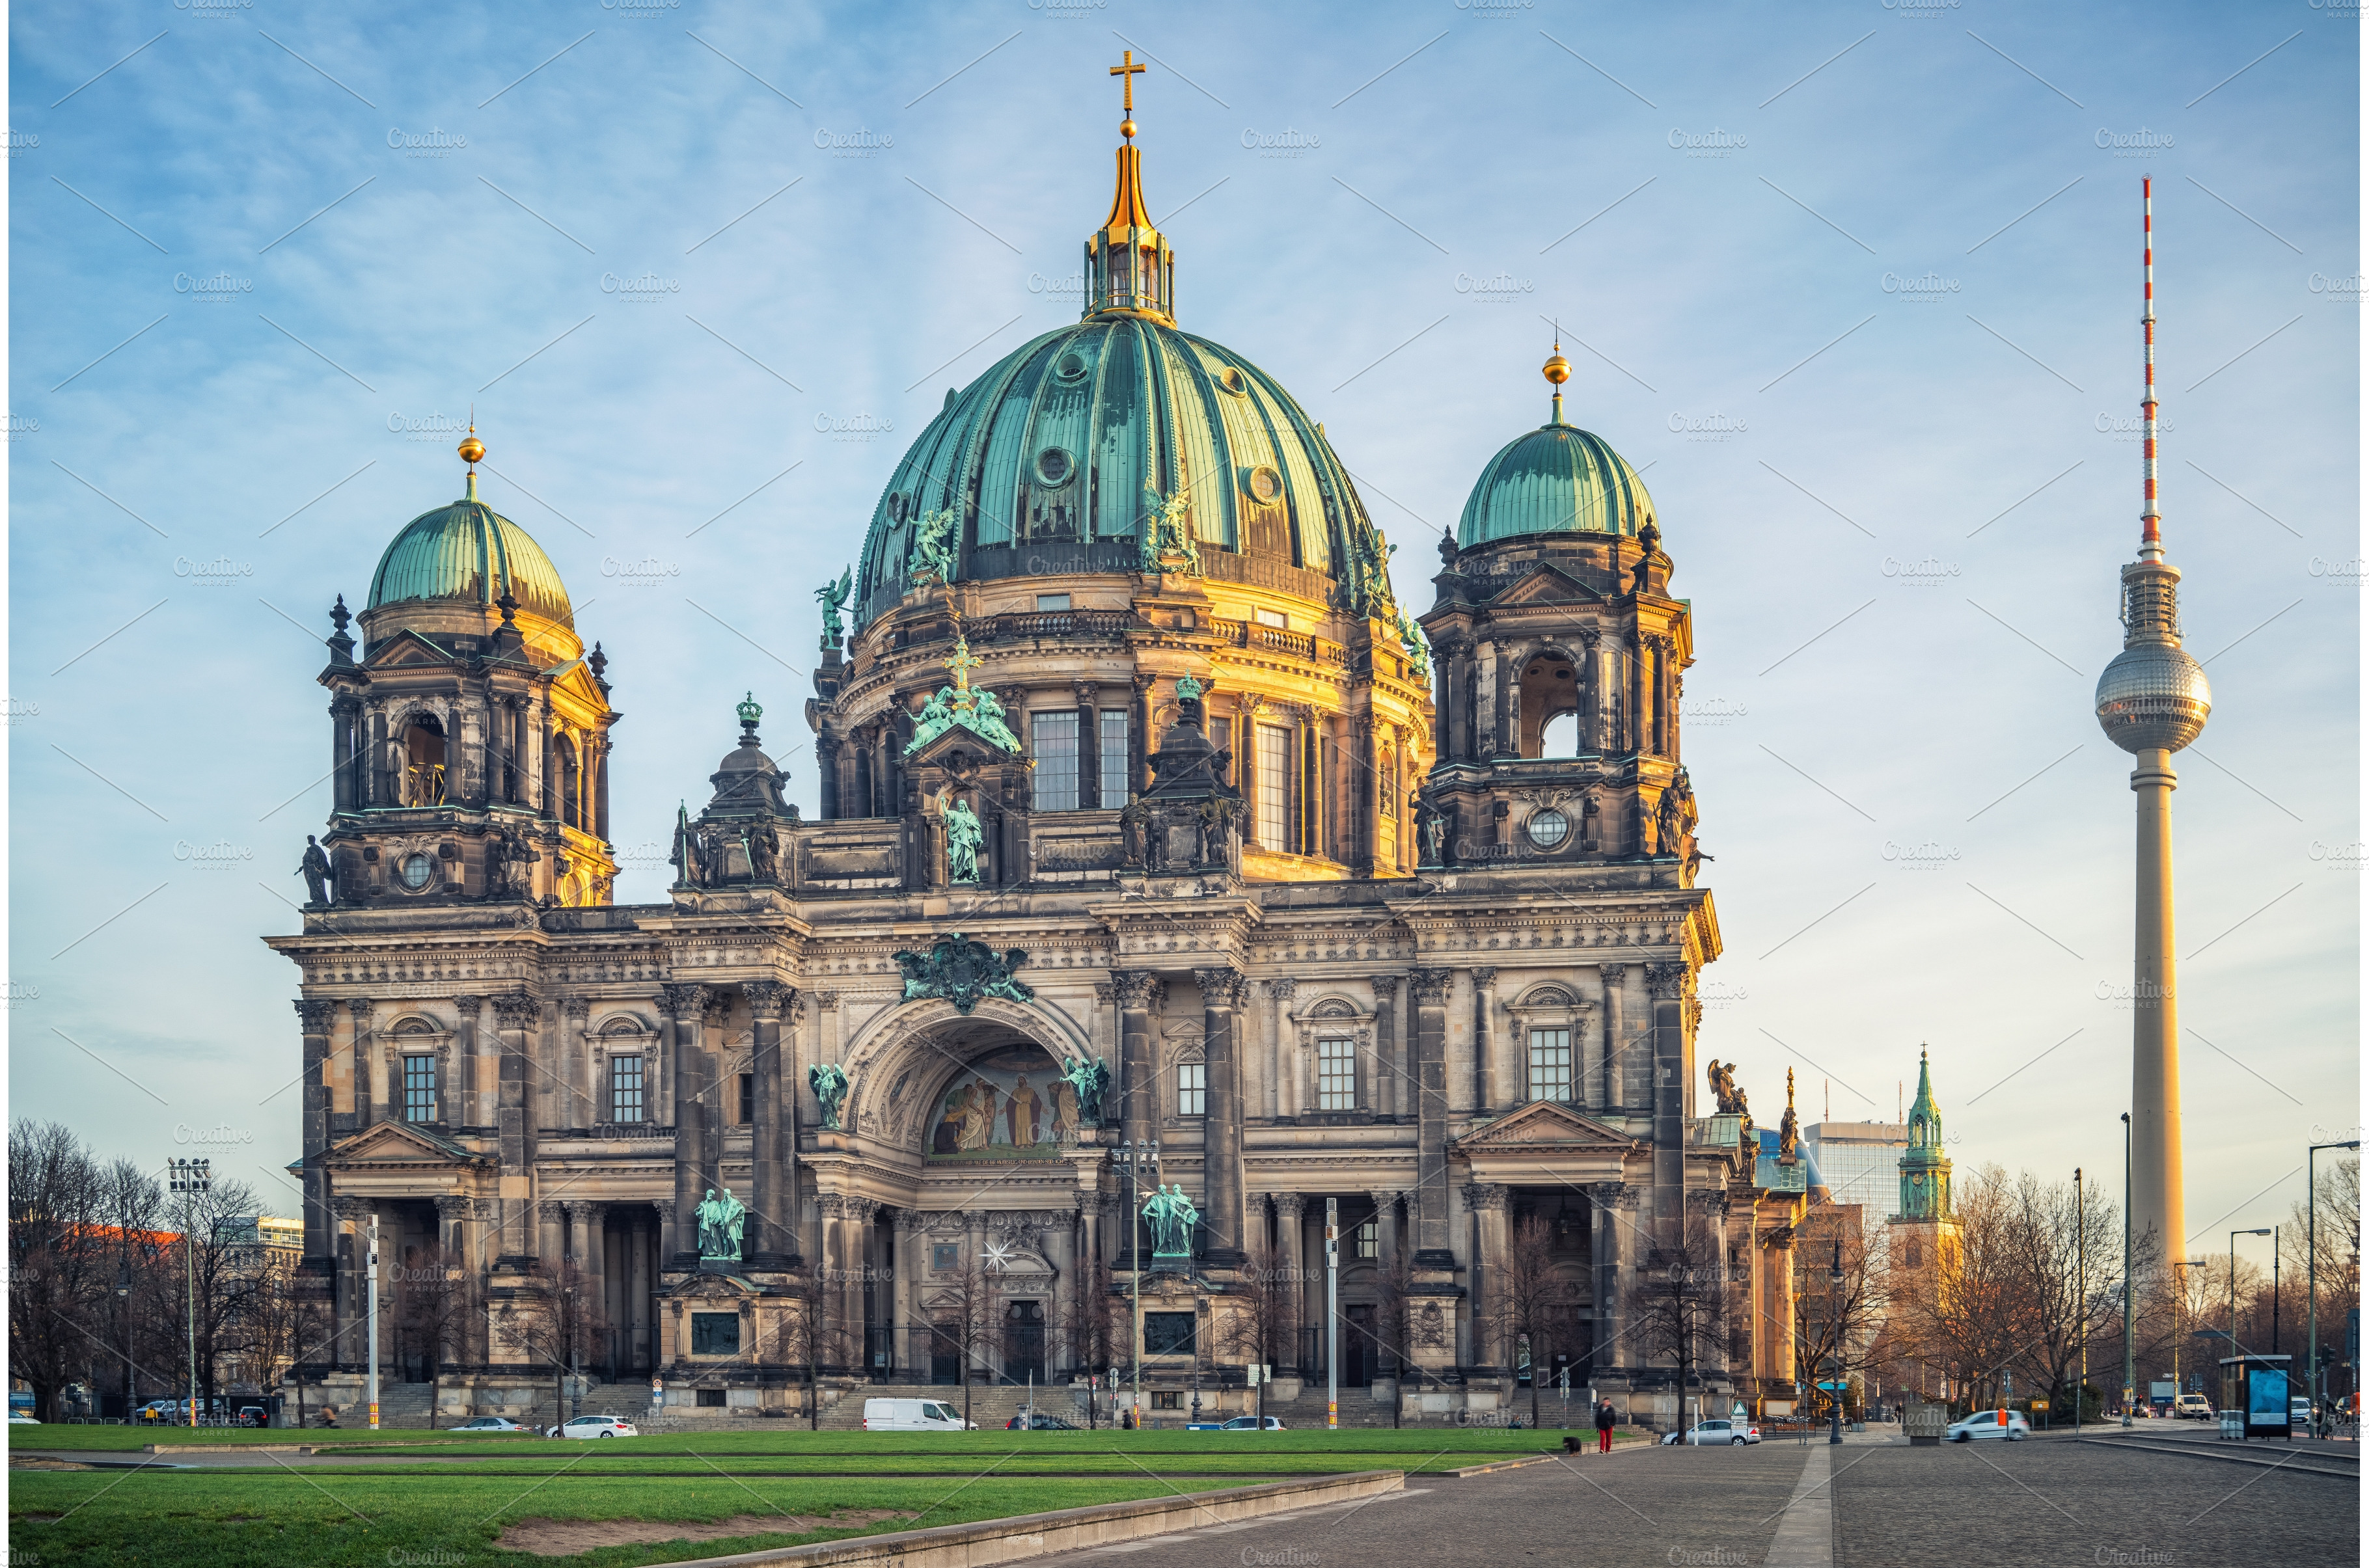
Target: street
x=2049 y=1500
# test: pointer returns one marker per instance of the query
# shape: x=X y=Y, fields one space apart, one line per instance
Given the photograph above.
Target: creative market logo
x=648 y=573
x=23 y=425
x=1499 y=10
x=854 y=426
x=220 y=288
x=1926 y=573
x=650 y=10
x=427 y=427
x=2130 y=426
x=2338 y=857
x=2139 y=143
x=1925 y=856
x=1073 y=285
x=1071 y=10
x=1711 y=143
x=1931 y=289
x=221 y=855
x=1923 y=10
x=647 y=290
x=1712 y=426
x=433 y=142
x=2335 y=290
x=219 y=573
x=1499 y=289
x=220 y=9
x=21 y=142
x=857 y=144
x=1284 y=143
x=2337 y=573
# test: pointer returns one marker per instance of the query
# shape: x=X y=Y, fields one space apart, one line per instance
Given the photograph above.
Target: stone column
x=1777 y=1258
x=368 y=1103
x=315 y=1018
x=1290 y=1254
x=974 y=1252
x=1140 y=1110
x=1493 y=1353
x=715 y=1054
x=855 y=1233
x=773 y=1242
x=1665 y=983
x=1487 y=1095
x=514 y=1138
x=831 y=1278
x=1430 y=988
x=351 y=1243
x=1607 y=1249
x=1282 y=1092
x=551 y=1235
x=1221 y=992
x=678 y=1008
x=1090 y=749
x=910 y=1348
x=1387 y=1095
x=1609 y=1092
x=575 y=1074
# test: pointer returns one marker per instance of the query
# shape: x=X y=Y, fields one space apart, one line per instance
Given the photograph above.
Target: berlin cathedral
x=1163 y=856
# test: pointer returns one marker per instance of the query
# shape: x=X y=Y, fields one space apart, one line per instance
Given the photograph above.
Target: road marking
x=1806 y=1536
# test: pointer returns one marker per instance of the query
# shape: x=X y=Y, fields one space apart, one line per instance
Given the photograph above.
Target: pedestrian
x=1603 y=1427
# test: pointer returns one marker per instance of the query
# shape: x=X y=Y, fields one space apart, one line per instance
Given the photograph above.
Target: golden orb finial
x=473 y=450
x=1557 y=369
x=1127 y=129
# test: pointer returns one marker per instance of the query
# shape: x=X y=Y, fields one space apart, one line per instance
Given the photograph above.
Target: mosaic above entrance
x=1010 y=1103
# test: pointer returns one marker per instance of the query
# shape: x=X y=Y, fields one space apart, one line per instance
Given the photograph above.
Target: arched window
x=423 y=761
x=1547 y=701
x=570 y=809
x=1559 y=736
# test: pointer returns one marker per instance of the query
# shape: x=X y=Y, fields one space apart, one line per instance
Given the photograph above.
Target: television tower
x=2151 y=700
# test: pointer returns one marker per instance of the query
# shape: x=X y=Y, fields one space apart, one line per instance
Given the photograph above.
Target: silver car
x=1989 y=1424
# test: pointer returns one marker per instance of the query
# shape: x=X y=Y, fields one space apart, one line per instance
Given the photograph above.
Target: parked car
x=2298 y=1411
x=914 y=1415
x=21 y=1418
x=252 y=1415
x=2007 y=1424
x=488 y=1423
x=1253 y=1424
x=596 y=1426
x=1717 y=1432
x=2192 y=1408
x=1038 y=1422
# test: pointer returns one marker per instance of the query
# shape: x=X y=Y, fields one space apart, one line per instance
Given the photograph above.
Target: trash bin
x=2233 y=1426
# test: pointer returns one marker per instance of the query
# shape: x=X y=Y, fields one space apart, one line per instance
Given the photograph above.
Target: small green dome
x=467 y=551
x=1555 y=479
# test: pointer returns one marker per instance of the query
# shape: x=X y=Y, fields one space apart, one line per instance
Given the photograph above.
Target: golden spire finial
x=1126 y=71
x=1557 y=370
x=1789 y=1089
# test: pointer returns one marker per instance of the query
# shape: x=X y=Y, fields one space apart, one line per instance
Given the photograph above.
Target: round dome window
x=1265 y=485
x=1233 y=381
x=417 y=870
x=1072 y=367
x=1548 y=828
x=895 y=506
x=1054 y=466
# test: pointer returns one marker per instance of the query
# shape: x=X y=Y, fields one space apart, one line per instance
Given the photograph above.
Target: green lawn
x=1477 y=1445
x=218 y=1520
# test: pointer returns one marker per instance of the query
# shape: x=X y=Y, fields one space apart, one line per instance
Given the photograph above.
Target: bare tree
x=436 y=1304
x=2338 y=1202
x=60 y=1259
x=1532 y=1303
x=1099 y=1333
x=1677 y=1304
x=1963 y=1311
x=1260 y=1325
x=1842 y=1294
x=556 y=1318
x=965 y=1311
x=808 y=1336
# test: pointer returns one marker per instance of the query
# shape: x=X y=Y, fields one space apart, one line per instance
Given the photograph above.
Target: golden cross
x=962 y=663
x=1126 y=71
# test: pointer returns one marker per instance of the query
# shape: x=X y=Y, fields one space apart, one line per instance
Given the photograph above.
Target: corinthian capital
x=767 y=998
x=1430 y=984
x=1134 y=987
x=1667 y=982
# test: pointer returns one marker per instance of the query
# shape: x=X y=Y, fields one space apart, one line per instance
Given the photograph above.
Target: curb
x=1073 y=1530
x=2257 y=1461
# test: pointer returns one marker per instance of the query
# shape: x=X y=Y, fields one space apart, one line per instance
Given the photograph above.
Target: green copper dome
x=1044 y=459
x=1555 y=479
x=467 y=551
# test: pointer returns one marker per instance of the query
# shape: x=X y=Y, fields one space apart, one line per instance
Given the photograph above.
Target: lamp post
x=2311 y=1285
x=2131 y=1351
x=191 y=1178
x=2262 y=1230
x=1834 y=1360
x=1134 y=1157
x=2080 y=1292
x=1332 y=1314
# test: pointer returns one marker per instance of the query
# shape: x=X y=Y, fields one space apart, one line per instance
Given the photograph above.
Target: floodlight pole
x=2130 y=1350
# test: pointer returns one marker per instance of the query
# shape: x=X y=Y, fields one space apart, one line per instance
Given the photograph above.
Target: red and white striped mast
x=2150 y=520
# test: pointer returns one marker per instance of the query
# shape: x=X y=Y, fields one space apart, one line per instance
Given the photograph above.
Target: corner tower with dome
x=1155 y=835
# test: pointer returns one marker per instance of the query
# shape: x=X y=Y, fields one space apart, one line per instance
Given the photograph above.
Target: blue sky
x=1859 y=283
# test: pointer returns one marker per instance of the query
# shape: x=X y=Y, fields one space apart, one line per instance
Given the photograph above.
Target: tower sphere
x=2153 y=698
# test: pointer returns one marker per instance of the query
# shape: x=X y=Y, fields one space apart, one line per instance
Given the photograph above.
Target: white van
x=913 y=1415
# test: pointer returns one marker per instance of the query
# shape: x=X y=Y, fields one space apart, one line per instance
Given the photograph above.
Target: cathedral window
x=1369 y=1239
x=747 y=1100
x=423 y=763
x=1559 y=736
x=1271 y=806
x=625 y=1088
x=1054 y=738
x=1551 y=1065
x=419 y=1088
x=1336 y=1075
x=569 y=809
x=1047 y=603
x=1274 y=618
x=1192 y=1088
x=1548 y=827
x=1117 y=767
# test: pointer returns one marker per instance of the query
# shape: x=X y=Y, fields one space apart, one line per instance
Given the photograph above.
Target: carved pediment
x=399 y=1143
x=406 y=647
x=1544 y=1124
x=1545 y=584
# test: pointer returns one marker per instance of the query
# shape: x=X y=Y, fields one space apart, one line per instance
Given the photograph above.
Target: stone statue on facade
x=964 y=836
x=764 y=852
x=721 y=1216
x=317 y=871
x=1131 y=832
x=829 y=1082
x=933 y=549
x=1731 y=1096
x=1168 y=532
x=1789 y=1130
x=834 y=598
x=1172 y=1217
x=1090 y=1079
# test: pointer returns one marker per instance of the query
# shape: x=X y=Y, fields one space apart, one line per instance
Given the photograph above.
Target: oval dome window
x=1072 y=367
x=1233 y=381
x=1265 y=485
x=1054 y=466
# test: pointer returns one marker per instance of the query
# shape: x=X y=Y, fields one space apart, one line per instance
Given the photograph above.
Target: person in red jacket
x=1604 y=1426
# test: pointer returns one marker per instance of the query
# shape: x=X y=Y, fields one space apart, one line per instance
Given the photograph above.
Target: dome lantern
x=1129 y=266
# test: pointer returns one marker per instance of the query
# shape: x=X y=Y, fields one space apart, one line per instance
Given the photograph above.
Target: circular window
x=417 y=870
x=1054 y=466
x=1233 y=381
x=1072 y=367
x=895 y=506
x=1266 y=486
x=1548 y=828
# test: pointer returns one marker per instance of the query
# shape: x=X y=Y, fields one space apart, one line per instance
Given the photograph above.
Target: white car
x=487 y=1423
x=1253 y=1424
x=595 y=1427
x=2192 y=1408
x=914 y=1415
x=1715 y=1433
x=22 y=1418
x=1989 y=1424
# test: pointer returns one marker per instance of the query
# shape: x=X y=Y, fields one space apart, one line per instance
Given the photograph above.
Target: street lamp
x=2311 y=1333
x=2262 y=1230
x=1134 y=1157
x=1835 y=1358
x=2130 y=1350
x=2080 y=1292
x=189 y=1178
